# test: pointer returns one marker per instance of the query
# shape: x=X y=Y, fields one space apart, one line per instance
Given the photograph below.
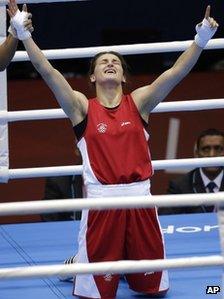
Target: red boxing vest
x=114 y=145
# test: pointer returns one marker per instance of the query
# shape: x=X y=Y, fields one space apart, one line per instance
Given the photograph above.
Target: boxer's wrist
x=204 y=33
x=18 y=23
x=12 y=31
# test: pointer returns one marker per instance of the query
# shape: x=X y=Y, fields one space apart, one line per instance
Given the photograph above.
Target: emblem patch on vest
x=108 y=277
x=101 y=127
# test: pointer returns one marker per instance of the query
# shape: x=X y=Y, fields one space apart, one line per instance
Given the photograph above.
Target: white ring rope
x=187 y=163
x=21 y=173
x=129 y=202
x=5 y=2
x=163 y=47
x=111 y=267
x=192 y=105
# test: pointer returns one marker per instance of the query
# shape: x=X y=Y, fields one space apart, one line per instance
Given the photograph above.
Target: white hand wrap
x=204 y=33
x=18 y=23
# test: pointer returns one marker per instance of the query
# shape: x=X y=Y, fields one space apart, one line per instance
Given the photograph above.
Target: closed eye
x=116 y=62
x=104 y=61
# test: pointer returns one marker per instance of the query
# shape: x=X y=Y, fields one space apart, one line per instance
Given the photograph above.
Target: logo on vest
x=148 y=273
x=108 y=277
x=101 y=127
x=125 y=123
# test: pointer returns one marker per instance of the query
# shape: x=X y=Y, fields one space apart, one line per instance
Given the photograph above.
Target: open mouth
x=110 y=71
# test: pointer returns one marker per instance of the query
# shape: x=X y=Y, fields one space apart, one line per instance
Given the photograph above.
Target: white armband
x=18 y=23
x=204 y=33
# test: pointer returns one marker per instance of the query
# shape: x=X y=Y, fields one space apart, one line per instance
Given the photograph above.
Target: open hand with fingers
x=21 y=22
x=206 y=29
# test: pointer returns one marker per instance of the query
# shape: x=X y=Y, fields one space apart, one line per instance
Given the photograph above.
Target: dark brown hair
x=208 y=132
x=121 y=58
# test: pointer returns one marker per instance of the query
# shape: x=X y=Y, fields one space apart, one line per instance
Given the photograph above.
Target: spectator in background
x=210 y=143
x=64 y=187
